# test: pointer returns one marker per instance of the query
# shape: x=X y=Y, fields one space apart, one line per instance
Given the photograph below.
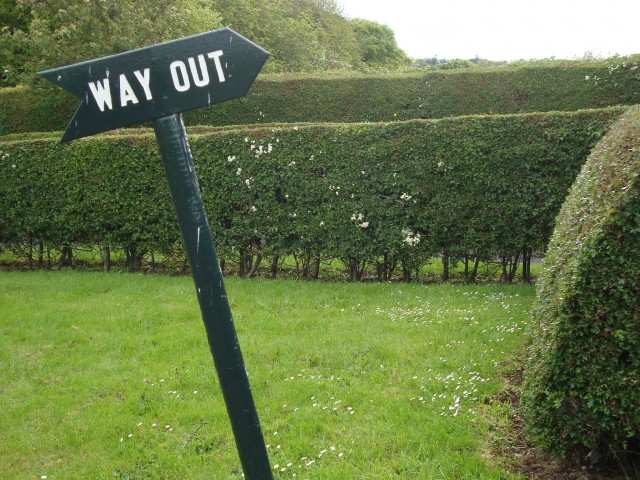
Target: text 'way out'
x=184 y=75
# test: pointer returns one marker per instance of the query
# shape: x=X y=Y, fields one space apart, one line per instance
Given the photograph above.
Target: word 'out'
x=195 y=70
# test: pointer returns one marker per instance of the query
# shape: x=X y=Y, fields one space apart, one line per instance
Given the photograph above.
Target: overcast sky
x=506 y=29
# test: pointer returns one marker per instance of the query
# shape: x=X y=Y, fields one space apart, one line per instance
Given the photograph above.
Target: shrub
x=553 y=86
x=582 y=387
x=385 y=193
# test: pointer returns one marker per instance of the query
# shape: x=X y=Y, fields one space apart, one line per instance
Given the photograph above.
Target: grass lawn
x=110 y=376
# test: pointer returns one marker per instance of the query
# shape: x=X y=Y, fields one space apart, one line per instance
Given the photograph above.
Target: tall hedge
x=393 y=194
x=562 y=86
x=582 y=392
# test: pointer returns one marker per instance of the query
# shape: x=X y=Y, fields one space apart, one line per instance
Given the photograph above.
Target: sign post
x=158 y=83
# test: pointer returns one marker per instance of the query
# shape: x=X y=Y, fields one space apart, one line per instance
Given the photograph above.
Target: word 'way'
x=183 y=75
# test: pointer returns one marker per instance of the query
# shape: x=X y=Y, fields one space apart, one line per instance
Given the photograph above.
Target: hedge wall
x=561 y=86
x=385 y=193
x=582 y=392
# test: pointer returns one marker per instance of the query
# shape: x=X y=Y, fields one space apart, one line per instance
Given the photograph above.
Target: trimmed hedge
x=582 y=389
x=390 y=193
x=561 y=86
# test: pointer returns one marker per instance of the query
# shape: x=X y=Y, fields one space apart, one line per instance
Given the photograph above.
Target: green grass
x=110 y=376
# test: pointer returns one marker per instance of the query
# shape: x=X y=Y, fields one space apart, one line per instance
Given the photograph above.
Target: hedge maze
x=386 y=173
x=410 y=167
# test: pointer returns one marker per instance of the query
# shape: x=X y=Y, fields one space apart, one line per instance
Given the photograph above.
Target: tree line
x=301 y=35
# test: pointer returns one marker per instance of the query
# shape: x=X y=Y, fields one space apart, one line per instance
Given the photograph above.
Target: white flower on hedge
x=410 y=238
x=231 y=158
x=363 y=224
x=404 y=196
x=440 y=164
x=322 y=224
x=239 y=171
x=253 y=208
x=359 y=217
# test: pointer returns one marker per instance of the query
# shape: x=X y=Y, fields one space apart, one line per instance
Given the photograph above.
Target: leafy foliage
x=13 y=15
x=301 y=35
x=376 y=98
x=582 y=394
x=378 y=44
x=70 y=31
x=390 y=194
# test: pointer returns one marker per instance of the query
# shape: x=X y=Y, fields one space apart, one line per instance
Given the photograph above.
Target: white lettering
x=216 y=59
x=181 y=84
x=200 y=81
x=144 y=79
x=126 y=92
x=102 y=94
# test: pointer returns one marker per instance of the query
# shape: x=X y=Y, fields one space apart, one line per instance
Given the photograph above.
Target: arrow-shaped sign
x=156 y=81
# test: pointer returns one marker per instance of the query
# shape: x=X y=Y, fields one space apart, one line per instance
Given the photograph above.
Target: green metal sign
x=156 y=81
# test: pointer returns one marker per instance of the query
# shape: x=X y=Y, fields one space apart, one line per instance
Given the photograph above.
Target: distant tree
x=60 y=32
x=434 y=63
x=377 y=42
x=300 y=34
x=424 y=62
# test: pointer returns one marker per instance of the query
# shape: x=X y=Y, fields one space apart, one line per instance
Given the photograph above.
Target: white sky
x=506 y=29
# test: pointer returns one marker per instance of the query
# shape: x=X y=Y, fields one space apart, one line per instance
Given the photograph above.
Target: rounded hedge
x=582 y=383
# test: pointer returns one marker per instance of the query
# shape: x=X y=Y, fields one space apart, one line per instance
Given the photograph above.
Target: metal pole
x=214 y=305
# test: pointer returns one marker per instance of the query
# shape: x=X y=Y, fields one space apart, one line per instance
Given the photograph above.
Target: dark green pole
x=214 y=305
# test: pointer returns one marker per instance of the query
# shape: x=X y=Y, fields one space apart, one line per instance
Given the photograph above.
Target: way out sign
x=152 y=82
x=157 y=83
